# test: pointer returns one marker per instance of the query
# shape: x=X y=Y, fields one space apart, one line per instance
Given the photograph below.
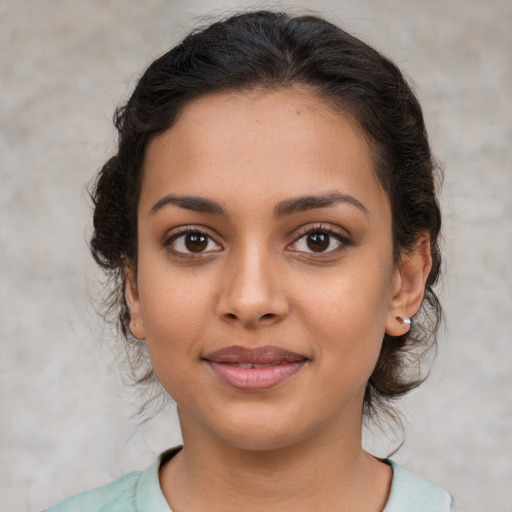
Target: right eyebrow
x=195 y=203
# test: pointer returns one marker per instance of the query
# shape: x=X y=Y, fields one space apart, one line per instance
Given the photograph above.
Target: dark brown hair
x=277 y=50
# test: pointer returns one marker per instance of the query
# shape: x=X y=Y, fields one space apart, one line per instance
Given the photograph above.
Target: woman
x=270 y=226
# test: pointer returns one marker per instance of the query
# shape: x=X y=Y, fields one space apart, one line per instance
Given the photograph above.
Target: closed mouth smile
x=254 y=369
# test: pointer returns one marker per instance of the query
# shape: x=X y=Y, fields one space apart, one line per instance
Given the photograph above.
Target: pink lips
x=254 y=369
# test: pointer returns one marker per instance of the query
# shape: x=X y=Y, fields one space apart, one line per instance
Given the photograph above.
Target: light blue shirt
x=140 y=492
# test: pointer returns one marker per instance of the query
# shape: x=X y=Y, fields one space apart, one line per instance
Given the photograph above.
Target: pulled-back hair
x=275 y=50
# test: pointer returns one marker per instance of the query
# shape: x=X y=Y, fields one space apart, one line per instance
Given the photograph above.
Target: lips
x=254 y=369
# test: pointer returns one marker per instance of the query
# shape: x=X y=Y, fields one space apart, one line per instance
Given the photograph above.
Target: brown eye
x=318 y=242
x=196 y=242
x=192 y=242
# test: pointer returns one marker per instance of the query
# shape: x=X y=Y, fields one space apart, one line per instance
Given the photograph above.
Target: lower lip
x=255 y=379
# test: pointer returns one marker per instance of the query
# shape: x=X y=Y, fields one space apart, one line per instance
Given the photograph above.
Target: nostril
x=268 y=316
x=232 y=316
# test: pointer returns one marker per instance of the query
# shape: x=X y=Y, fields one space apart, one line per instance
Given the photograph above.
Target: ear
x=409 y=286
x=133 y=302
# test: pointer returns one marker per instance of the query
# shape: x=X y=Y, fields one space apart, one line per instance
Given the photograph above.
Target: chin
x=261 y=442
x=263 y=434
x=246 y=429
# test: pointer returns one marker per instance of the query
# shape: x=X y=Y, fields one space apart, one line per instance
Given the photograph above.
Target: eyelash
x=189 y=230
x=344 y=241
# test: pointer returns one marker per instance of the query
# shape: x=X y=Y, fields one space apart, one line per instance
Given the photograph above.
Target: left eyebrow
x=195 y=203
x=312 y=202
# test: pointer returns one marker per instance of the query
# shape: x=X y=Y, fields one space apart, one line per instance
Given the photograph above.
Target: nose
x=253 y=294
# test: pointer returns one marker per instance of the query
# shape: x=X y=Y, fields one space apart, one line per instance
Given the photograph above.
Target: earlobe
x=409 y=287
x=133 y=302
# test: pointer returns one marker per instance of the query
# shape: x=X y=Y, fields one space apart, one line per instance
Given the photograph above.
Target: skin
x=258 y=282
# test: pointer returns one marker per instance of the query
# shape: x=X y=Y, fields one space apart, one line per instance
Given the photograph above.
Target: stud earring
x=404 y=320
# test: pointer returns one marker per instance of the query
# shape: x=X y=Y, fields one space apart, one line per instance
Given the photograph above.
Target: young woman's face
x=265 y=277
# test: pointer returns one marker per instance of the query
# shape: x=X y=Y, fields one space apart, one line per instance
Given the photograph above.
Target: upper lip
x=261 y=355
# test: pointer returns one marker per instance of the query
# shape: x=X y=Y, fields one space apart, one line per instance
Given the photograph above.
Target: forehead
x=262 y=144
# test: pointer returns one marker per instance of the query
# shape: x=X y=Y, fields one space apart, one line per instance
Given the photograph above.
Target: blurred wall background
x=66 y=416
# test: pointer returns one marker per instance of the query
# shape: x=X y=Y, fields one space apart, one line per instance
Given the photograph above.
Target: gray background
x=67 y=418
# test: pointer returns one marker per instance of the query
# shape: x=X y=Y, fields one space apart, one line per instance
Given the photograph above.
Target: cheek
x=176 y=310
x=347 y=316
x=175 y=323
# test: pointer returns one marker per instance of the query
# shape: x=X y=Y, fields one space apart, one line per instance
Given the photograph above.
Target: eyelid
x=180 y=231
x=332 y=230
x=338 y=233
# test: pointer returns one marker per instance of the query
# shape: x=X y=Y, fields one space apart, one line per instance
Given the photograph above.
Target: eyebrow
x=312 y=202
x=284 y=208
x=195 y=203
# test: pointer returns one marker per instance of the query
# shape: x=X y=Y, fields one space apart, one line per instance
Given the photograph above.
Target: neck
x=313 y=474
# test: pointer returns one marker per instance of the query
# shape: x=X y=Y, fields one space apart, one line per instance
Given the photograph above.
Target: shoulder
x=126 y=494
x=411 y=492
x=118 y=495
